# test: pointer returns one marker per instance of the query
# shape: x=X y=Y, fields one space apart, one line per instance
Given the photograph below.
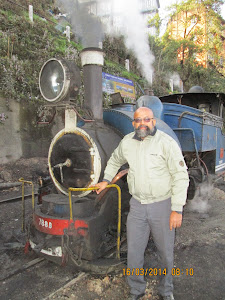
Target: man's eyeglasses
x=146 y=120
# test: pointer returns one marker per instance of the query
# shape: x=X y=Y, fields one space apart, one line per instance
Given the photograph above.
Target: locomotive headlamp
x=59 y=80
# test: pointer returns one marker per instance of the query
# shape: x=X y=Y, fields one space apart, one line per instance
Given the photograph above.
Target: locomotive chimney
x=149 y=91
x=92 y=61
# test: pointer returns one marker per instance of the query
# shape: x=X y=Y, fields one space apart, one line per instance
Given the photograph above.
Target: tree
x=194 y=38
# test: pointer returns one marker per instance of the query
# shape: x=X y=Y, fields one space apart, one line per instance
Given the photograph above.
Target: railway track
x=37 y=279
x=16 y=198
x=22 y=268
x=80 y=276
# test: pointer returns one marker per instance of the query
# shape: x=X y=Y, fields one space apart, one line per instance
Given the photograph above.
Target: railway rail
x=16 y=198
x=47 y=278
x=22 y=268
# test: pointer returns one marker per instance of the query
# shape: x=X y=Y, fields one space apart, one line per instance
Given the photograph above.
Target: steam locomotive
x=73 y=224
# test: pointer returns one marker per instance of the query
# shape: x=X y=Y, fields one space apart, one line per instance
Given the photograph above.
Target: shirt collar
x=135 y=137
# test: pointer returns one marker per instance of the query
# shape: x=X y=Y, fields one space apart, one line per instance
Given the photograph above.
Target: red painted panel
x=57 y=226
x=79 y=226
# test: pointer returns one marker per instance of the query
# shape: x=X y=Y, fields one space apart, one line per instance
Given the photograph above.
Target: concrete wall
x=10 y=139
x=21 y=136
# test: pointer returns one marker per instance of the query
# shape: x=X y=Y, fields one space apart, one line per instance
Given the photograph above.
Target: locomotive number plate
x=45 y=224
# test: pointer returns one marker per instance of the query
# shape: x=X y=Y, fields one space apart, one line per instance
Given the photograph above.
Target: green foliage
x=19 y=79
x=155 y=22
x=76 y=45
x=24 y=47
x=116 y=52
x=119 y=70
x=210 y=79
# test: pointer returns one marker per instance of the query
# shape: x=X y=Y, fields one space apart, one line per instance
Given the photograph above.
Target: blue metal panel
x=80 y=123
x=220 y=154
x=187 y=139
x=203 y=124
x=152 y=102
x=208 y=138
x=172 y=112
x=122 y=121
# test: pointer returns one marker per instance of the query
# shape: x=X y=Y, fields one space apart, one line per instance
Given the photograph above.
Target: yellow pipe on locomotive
x=70 y=190
x=23 y=202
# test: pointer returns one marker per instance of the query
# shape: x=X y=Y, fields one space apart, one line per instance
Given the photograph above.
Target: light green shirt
x=157 y=170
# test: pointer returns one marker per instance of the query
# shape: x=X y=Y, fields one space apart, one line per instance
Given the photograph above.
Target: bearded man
x=158 y=182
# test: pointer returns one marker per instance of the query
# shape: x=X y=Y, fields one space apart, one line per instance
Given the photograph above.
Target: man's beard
x=142 y=133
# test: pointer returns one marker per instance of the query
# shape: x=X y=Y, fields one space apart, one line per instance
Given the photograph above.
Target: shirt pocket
x=160 y=186
x=158 y=176
x=155 y=165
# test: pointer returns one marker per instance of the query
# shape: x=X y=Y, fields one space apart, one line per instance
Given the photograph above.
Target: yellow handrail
x=23 y=203
x=119 y=208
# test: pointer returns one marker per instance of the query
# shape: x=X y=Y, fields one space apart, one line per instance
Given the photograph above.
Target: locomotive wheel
x=192 y=188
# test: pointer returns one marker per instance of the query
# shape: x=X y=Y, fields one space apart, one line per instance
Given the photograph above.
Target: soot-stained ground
x=199 y=265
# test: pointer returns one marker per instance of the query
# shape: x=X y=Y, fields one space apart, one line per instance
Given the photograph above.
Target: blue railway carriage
x=198 y=121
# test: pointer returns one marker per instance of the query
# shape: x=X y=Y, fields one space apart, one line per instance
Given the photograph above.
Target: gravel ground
x=199 y=268
x=199 y=257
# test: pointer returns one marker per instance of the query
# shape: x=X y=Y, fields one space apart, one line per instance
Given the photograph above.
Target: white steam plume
x=200 y=202
x=133 y=27
x=175 y=80
x=86 y=27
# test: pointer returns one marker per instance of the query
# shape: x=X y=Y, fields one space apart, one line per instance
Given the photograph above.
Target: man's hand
x=101 y=185
x=175 y=220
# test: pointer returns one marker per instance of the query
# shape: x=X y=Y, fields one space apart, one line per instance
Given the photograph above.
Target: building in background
x=193 y=25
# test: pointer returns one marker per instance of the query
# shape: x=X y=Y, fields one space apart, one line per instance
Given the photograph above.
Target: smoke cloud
x=133 y=27
x=86 y=26
x=200 y=202
x=90 y=30
x=175 y=81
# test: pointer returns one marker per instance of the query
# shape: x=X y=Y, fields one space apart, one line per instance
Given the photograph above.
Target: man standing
x=158 y=182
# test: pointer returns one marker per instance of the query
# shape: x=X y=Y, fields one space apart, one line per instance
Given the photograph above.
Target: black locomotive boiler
x=74 y=224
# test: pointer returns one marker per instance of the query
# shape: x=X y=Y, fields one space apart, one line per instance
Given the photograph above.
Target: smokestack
x=92 y=61
x=149 y=91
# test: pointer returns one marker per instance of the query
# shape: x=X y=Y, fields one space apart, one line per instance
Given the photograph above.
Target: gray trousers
x=142 y=219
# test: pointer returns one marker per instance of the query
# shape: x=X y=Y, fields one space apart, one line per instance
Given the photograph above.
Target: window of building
x=147 y=5
x=104 y=8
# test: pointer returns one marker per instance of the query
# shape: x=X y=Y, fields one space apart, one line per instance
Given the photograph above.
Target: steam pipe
x=187 y=113
x=92 y=61
x=148 y=91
